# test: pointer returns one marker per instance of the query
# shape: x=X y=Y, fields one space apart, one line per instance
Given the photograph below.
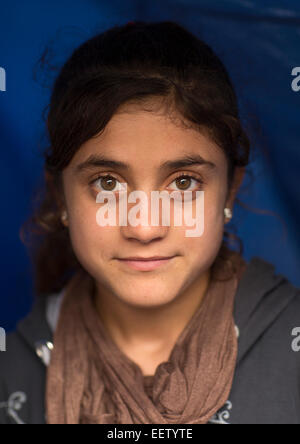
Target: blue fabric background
x=259 y=42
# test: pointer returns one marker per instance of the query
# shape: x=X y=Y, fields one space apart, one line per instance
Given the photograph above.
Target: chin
x=148 y=298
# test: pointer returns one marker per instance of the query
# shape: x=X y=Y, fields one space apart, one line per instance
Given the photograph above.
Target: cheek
x=214 y=204
x=90 y=241
x=214 y=221
x=207 y=245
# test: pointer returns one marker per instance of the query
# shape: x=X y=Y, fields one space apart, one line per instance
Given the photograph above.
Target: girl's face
x=144 y=141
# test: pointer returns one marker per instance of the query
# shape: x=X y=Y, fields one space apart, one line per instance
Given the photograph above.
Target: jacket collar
x=36 y=331
x=262 y=295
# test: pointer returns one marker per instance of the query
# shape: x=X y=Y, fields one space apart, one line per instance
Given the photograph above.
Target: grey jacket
x=266 y=386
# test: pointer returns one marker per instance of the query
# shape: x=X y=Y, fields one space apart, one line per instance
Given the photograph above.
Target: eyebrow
x=96 y=161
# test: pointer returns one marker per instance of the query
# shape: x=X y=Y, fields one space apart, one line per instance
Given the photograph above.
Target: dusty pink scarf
x=91 y=381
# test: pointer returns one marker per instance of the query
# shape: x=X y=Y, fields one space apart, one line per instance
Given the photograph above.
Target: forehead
x=150 y=137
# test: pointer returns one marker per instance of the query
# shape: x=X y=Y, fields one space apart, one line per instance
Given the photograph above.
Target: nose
x=144 y=234
x=140 y=228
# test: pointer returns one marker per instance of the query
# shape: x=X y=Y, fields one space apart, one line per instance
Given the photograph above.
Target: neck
x=152 y=330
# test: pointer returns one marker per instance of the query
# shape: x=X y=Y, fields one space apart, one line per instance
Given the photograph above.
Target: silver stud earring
x=228 y=213
x=64 y=216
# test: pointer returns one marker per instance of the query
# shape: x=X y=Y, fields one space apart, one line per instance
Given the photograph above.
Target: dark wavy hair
x=132 y=63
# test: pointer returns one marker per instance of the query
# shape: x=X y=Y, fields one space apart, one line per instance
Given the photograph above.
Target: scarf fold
x=91 y=381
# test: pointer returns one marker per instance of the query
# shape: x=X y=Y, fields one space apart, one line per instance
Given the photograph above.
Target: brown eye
x=183 y=182
x=107 y=183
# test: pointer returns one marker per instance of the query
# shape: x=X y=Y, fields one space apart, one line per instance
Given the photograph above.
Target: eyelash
x=180 y=175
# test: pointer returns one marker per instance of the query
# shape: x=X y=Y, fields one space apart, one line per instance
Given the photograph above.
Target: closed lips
x=154 y=258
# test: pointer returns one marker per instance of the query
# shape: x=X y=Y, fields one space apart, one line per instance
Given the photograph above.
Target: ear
x=236 y=183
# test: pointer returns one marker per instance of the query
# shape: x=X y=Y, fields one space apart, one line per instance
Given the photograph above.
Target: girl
x=140 y=323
